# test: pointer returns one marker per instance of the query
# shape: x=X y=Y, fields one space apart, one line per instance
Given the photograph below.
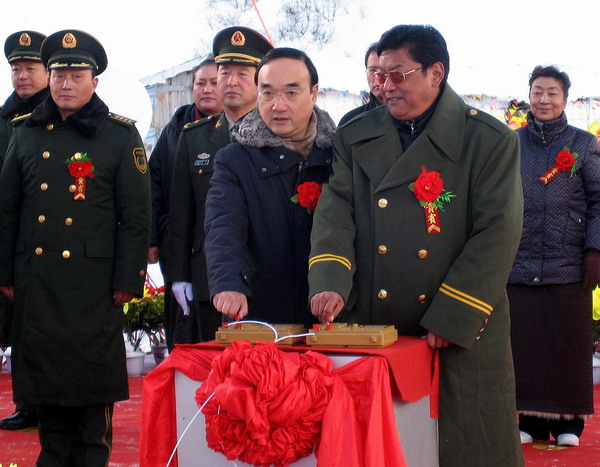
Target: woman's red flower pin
x=564 y=162
x=81 y=167
x=429 y=190
x=307 y=195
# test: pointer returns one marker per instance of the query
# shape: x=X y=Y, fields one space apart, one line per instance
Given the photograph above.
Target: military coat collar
x=89 y=120
x=15 y=106
x=376 y=145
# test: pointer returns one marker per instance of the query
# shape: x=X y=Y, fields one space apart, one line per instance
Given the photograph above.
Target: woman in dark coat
x=556 y=267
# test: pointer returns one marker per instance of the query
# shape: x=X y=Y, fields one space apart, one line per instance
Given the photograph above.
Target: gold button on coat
x=199 y=171
x=382 y=294
x=382 y=203
x=44 y=186
x=41 y=219
x=382 y=249
x=422 y=298
x=72 y=188
x=422 y=254
x=38 y=251
x=50 y=126
x=68 y=221
x=66 y=254
x=142 y=273
x=45 y=154
x=473 y=112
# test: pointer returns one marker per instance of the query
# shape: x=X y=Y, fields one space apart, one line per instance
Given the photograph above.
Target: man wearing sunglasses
x=418 y=228
x=257 y=220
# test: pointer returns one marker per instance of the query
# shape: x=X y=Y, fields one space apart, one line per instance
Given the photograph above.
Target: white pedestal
x=417 y=431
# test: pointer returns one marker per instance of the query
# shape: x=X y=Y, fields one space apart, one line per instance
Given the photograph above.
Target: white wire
x=295 y=335
x=186 y=429
x=255 y=322
x=277 y=338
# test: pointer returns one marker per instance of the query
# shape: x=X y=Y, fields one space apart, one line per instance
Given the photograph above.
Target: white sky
x=493 y=45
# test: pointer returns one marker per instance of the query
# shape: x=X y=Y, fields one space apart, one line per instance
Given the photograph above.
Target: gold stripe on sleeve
x=465 y=298
x=328 y=257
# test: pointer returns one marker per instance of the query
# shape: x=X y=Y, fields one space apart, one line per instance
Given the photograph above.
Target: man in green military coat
x=238 y=51
x=30 y=83
x=74 y=236
x=418 y=228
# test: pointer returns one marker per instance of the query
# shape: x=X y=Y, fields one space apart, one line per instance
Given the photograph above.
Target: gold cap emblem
x=69 y=41
x=24 y=40
x=238 y=38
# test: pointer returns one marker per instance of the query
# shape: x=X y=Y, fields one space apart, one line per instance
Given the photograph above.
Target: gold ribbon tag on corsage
x=564 y=162
x=81 y=167
x=429 y=190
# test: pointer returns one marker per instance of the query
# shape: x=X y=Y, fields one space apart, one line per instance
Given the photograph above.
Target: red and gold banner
x=432 y=218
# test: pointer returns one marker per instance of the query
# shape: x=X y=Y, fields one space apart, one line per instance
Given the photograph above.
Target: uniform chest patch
x=139 y=157
x=205 y=162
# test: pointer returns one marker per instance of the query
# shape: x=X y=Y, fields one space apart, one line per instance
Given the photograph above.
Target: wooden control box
x=258 y=332
x=351 y=335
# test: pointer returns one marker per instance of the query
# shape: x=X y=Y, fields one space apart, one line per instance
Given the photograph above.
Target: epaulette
x=20 y=118
x=121 y=119
x=197 y=123
x=486 y=118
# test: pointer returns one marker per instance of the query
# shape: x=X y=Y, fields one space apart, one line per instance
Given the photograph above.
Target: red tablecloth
x=412 y=366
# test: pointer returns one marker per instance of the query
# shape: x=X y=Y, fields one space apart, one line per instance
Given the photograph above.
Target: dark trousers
x=541 y=428
x=75 y=436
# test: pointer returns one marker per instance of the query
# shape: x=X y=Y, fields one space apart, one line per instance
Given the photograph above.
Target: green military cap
x=71 y=48
x=24 y=45
x=240 y=45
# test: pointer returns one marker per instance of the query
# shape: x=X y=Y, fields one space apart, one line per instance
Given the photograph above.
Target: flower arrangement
x=516 y=114
x=145 y=315
x=596 y=320
x=594 y=128
x=307 y=196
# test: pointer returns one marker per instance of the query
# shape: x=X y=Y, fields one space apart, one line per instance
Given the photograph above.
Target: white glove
x=183 y=293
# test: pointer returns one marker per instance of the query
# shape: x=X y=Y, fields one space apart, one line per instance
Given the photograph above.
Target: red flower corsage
x=307 y=196
x=429 y=190
x=81 y=167
x=564 y=162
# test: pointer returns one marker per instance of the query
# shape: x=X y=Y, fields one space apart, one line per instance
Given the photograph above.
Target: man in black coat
x=237 y=51
x=375 y=89
x=259 y=210
x=179 y=328
x=30 y=84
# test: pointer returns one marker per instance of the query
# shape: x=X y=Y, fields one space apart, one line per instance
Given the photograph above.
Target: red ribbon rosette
x=307 y=196
x=268 y=405
x=429 y=190
x=81 y=167
x=564 y=162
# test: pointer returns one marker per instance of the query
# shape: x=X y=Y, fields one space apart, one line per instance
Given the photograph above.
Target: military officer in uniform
x=418 y=228
x=237 y=52
x=30 y=84
x=74 y=236
x=179 y=328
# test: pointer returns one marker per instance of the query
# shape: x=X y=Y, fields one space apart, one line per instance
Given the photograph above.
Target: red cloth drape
x=410 y=362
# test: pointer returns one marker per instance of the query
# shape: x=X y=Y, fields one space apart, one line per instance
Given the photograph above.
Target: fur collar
x=252 y=131
x=14 y=105
x=89 y=120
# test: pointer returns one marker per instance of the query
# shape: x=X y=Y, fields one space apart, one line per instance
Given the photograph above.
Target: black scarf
x=15 y=106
